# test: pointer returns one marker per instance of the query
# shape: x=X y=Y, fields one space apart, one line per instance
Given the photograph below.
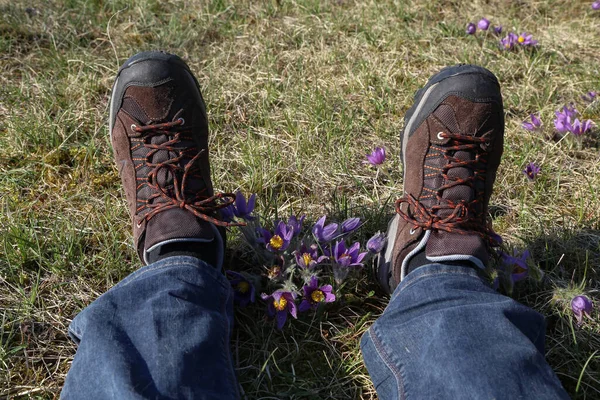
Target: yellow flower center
x=317 y=296
x=280 y=305
x=521 y=39
x=307 y=259
x=243 y=287
x=276 y=242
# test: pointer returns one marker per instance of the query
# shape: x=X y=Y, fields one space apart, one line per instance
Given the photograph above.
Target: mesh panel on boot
x=442 y=243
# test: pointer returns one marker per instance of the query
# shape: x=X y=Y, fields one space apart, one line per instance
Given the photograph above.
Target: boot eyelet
x=412 y=231
x=133 y=127
x=439 y=136
x=181 y=120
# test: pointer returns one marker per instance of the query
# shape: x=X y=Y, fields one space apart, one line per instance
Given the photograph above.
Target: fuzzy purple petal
x=471 y=28
x=353 y=250
x=317 y=229
x=329 y=297
x=483 y=24
x=528 y=126
x=350 y=224
x=251 y=203
x=322 y=258
x=329 y=232
x=519 y=276
x=277 y=295
x=339 y=249
x=326 y=288
x=291 y=306
x=240 y=204
x=304 y=306
x=360 y=257
x=307 y=290
x=281 y=318
x=376 y=243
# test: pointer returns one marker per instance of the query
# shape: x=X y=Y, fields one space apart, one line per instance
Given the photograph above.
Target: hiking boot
x=159 y=133
x=452 y=143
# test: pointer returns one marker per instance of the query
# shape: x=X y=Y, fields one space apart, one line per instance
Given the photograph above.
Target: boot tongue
x=448 y=246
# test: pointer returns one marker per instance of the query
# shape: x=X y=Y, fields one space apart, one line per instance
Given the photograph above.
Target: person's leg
x=445 y=334
x=164 y=331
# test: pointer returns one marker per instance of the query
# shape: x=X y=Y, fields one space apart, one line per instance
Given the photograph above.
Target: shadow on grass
x=314 y=357
x=570 y=259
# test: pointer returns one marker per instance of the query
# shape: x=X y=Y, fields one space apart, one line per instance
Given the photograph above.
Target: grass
x=297 y=92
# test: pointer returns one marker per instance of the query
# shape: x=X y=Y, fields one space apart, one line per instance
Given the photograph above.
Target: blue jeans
x=163 y=332
x=447 y=335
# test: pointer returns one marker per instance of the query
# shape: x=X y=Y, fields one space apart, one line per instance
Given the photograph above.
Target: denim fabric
x=161 y=333
x=447 y=335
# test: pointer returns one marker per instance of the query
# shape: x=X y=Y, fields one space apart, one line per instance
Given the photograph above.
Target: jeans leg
x=447 y=335
x=161 y=333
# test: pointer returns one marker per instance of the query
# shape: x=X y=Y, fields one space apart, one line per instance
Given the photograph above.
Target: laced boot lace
x=465 y=217
x=166 y=198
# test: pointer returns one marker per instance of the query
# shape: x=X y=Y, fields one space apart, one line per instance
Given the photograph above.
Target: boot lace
x=464 y=218
x=166 y=198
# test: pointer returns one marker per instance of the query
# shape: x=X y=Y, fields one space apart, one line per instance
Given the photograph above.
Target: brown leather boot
x=451 y=148
x=159 y=133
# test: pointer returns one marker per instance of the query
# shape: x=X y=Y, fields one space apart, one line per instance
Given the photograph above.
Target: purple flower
x=242 y=208
x=535 y=123
x=563 y=119
x=596 y=5
x=526 y=40
x=322 y=232
x=495 y=239
x=295 y=224
x=280 y=240
x=562 y=123
x=578 y=128
x=516 y=265
x=377 y=157
x=471 y=28
x=531 y=171
x=498 y=30
x=570 y=111
x=350 y=225
x=308 y=257
x=590 y=96
x=348 y=257
x=376 y=243
x=345 y=258
x=315 y=295
x=483 y=24
x=227 y=213
x=512 y=39
x=509 y=41
x=279 y=304
x=243 y=290
x=581 y=306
